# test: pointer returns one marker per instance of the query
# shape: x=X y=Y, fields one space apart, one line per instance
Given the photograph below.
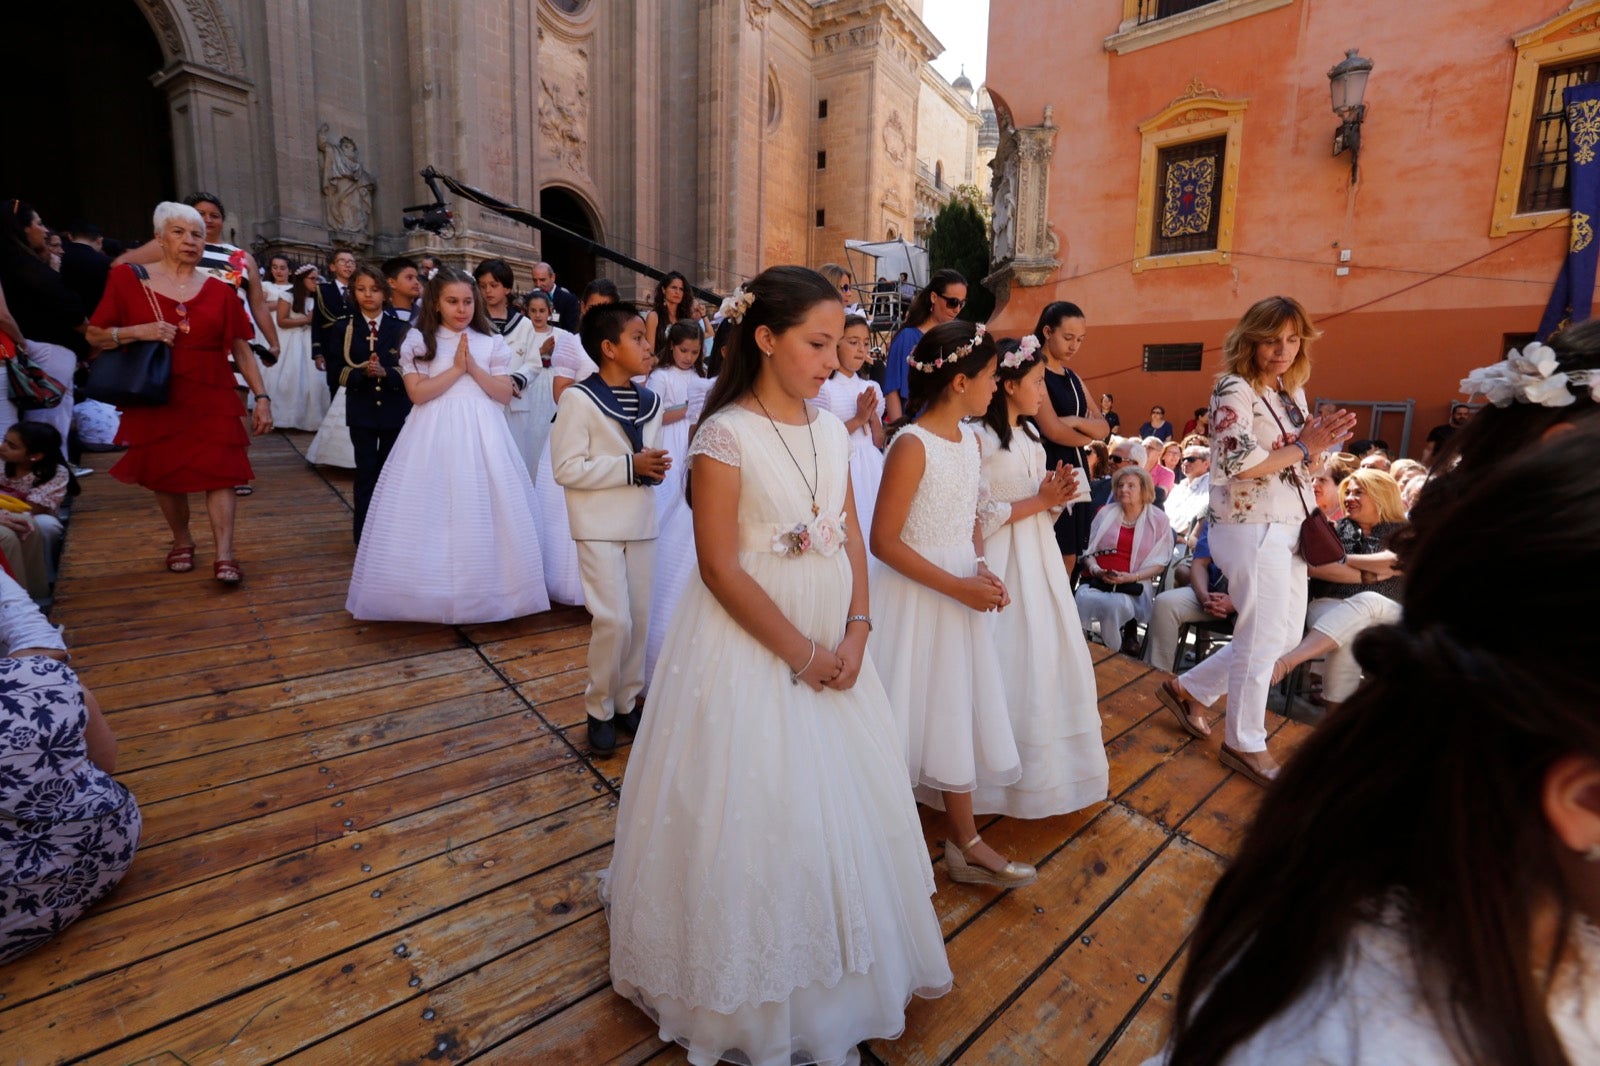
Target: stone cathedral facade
x=708 y=136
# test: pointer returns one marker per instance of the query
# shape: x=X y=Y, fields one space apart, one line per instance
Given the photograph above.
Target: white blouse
x=1243 y=433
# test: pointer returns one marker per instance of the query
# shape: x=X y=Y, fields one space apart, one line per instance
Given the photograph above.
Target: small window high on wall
x=1172 y=358
x=1188 y=197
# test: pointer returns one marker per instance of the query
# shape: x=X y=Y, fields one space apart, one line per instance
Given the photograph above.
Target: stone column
x=1023 y=246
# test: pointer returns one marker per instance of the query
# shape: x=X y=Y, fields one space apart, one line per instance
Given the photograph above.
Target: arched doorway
x=573 y=262
x=97 y=144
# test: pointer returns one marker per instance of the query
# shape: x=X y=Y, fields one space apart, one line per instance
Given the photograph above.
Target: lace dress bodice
x=946 y=501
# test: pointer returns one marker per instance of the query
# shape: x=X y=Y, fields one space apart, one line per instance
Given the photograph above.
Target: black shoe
x=602 y=736
x=629 y=723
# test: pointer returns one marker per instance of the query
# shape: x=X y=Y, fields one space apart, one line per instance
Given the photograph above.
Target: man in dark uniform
x=365 y=359
x=564 y=312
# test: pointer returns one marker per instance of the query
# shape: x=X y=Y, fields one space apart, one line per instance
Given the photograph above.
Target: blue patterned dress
x=68 y=831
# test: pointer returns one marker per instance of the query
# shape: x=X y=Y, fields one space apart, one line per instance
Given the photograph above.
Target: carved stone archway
x=210 y=93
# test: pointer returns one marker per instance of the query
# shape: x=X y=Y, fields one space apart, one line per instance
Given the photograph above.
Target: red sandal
x=227 y=571
x=180 y=560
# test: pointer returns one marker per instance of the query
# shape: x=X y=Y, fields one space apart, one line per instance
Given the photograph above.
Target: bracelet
x=981 y=561
x=794 y=675
x=867 y=618
x=115 y=343
x=1303 y=450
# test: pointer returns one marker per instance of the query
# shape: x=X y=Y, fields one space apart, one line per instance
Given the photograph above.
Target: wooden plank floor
x=379 y=842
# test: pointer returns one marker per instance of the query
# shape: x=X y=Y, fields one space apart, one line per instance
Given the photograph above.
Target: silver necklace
x=816 y=480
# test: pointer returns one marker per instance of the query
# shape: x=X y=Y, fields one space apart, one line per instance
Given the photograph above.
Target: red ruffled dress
x=196 y=441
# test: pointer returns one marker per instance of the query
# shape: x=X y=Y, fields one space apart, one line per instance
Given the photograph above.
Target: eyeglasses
x=183 y=317
x=1194 y=459
x=952 y=303
x=844 y=286
x=1118 y=460
x=1297 y=417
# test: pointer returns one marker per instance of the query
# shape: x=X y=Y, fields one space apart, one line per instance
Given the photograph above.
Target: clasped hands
x=836 y=669
x=1058 y=487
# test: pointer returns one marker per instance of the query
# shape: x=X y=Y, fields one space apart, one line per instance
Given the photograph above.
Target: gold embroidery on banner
x=1583 y=125
x=1582 y=231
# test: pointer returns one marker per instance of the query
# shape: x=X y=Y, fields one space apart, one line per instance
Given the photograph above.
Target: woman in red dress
x=195 y=442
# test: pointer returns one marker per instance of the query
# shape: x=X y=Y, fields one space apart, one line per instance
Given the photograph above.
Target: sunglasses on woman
x=1297 y=417
x=953 y=303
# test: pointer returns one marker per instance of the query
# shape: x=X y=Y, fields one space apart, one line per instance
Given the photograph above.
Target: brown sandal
x=1235 y=761
x=1182 y=710
x=227 y=571
x=180 y=560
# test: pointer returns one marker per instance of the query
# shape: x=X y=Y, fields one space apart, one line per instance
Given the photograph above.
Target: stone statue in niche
x=563 y=120
x=347 y=188
x=1003 y=241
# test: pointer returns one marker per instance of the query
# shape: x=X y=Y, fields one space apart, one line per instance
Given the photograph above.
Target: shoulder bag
x=31 y=388
x=138 y=374
x=1319 y=541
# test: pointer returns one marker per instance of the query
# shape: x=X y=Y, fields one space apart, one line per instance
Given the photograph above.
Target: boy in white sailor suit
x=604 y=454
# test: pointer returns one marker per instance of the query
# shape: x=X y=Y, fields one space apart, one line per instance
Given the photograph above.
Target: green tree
x=959 y=238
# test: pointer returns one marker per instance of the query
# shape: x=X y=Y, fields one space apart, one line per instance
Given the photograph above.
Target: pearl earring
x=1593 y=854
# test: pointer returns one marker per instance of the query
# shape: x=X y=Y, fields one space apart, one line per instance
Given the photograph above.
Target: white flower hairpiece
x=303 y=269
x=955 y=355
x=736 y=304
x=1026 y=350
x=1530 y=376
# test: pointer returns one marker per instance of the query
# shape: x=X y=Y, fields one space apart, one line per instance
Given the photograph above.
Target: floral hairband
x=1026 y=350
x=737 y=303
x=955 y=355
x=1530 y=376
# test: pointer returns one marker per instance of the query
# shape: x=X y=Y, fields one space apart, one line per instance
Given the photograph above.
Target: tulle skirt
x=331 y=446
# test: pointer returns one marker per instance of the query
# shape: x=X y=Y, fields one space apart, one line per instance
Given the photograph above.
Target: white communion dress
x=298 y=389
x=936 y=655
x=450 y=534
x=769 y=890
x=675 y=554
x=1044 y=660
x=561 y=580
x=839 y=395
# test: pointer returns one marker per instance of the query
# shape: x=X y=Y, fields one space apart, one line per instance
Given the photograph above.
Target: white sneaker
x=82 y=471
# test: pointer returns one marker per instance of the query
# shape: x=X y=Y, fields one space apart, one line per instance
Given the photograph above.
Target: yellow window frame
x=1197 y=115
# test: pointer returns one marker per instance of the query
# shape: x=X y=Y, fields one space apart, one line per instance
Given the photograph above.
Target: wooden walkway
x=380 y=843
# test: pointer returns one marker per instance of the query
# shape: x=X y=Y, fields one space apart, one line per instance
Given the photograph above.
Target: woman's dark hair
x=659 y=306
x=14 y=223
x=195 y=199
x=721 y=337
x=998 y=416
x=784 y=295
x=684 y=329
x=926 y=386
x=429 y=321
x=539 y=296
x=274 y=257
x=921 y=308
x=1421 y=798
x=499 y=270
x=1053 y=314
x=1095 y=457
x=44 y=440
x=601 y=287
x=1495 y=434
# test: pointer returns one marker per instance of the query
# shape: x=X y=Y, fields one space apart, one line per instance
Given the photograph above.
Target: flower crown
x=1026 y=350
x=955 y=355
x=1530 y=376
x=737 y=303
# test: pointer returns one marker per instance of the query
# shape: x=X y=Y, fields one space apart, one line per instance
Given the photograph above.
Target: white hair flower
x=1530 y=376
x=1026 y=349
x=954 y=355
x=737 y=303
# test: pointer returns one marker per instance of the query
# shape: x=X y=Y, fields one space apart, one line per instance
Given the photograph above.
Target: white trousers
x=1342 y=621
x=1168 y=614
x=59 y=363
x=1267 y=582
x=616 y=588
x=1111 y=610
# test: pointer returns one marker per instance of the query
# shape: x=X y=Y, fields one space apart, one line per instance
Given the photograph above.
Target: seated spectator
x=1130 y=545
x=1403 y=470
x=1097 y=458
x=1172 y=459
x=1200 y=424
x=1124 y=450
x=1373 y=514
x=1460 y=415
x=1325 y=481
x=1377 y=459
x=68 y=831
x=34 y=473
x=1188 y=502
x=1203 y=597
x=1363 y=448
x=1158 y=426
x=1411 y=491
x=1159 y=472
x=1113 y=419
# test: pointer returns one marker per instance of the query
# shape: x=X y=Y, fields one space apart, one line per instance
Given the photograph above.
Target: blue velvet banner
x=1573 y=298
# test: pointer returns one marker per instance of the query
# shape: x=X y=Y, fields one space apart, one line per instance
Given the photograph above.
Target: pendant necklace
x=815 y=480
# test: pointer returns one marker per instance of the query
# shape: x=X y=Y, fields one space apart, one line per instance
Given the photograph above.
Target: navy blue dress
x=1069 y=400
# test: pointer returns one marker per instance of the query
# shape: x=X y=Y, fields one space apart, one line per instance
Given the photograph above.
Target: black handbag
x=138 y=374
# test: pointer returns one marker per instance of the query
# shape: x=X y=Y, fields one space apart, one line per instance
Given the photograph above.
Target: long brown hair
x=429 y=321
x=921 y=308
x=1261 y=323
x=1422 y=795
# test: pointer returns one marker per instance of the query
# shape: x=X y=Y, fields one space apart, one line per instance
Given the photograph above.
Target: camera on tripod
x=436 y=218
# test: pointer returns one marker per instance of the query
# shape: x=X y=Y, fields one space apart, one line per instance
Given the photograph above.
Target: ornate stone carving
x=1023 y=247
x=894 y=138
x=196 y=31
x=347 y=190
x=757 y=11
x=564 y=120
x=892 y=202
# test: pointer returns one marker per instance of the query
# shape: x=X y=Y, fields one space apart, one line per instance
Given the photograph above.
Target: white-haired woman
x=1130 y=544
x=195 y=442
